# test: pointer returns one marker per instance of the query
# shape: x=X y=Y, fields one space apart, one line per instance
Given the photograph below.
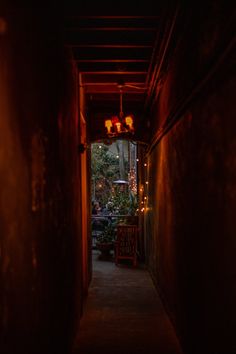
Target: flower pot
x=104 y=248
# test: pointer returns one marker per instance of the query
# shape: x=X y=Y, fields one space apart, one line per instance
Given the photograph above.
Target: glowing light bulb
x=108 y=125
x=129 y=122
x=118 y=127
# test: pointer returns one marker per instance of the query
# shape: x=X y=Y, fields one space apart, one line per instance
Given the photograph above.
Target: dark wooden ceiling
x=116 y=44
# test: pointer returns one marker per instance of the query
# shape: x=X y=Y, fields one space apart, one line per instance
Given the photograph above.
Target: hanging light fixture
x=120 y=124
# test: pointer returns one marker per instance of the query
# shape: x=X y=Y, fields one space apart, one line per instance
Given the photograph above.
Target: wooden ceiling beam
x=114 y=72
x=113 y=17
x=108 y=29
x=119 y=46
x=109 y=88
x=112 y=83
x=111 y=60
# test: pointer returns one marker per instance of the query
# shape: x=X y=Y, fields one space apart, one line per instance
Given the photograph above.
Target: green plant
x=123 y=203
x=108 y=235
x=104 y=170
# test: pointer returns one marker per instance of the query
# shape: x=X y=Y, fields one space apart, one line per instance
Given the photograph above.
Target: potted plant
x=124 y=204
x=105 y=241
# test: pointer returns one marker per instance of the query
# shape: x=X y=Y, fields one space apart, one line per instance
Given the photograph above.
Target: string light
x=132 y=180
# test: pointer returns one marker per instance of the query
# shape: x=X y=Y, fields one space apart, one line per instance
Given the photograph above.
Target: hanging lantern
x=118 y=124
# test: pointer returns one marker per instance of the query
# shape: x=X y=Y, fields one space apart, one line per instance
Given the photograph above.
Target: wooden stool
x=126 y=243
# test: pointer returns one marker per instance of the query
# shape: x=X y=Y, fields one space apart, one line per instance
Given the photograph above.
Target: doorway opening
x=114 y=196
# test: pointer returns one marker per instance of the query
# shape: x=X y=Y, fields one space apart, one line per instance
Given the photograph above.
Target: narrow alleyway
x=123 y=314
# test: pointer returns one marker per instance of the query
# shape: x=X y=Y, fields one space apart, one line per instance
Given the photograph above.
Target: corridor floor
x=123 y=314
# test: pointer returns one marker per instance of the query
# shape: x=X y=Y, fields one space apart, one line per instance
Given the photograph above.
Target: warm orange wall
x=191 y=200
x=85 y=214
x=39 y=188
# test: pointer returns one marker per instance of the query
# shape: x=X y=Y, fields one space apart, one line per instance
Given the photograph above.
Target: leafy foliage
x=123 y=203
x=105 y=169
x=108 y=234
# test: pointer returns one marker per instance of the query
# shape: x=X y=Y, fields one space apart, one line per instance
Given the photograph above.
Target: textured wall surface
x=190 y=222
x=39 y=181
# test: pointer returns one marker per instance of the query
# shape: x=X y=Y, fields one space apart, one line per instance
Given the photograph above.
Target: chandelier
x=120 y=124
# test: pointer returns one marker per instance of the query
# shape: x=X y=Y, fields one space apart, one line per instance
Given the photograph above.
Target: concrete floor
x=123 y=314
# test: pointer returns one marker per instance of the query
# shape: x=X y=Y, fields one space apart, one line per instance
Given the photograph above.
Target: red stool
x=126 y=243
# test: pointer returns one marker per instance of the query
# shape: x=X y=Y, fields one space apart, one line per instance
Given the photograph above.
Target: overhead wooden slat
x=109 y=29
x=112 y=66
x=85 y=22
x=88 y=78
x=113 y=17
x=103 y=94
x=111 y=53
x=119 y=46
x=109 y=37
x=113 y=96
x=138 y=87
x=112 y=88
x=138 y=83
x=95 y=61
x=115 y=72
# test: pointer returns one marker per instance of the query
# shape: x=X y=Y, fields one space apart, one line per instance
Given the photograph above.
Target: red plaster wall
x=192 y=189
x=39 y=187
